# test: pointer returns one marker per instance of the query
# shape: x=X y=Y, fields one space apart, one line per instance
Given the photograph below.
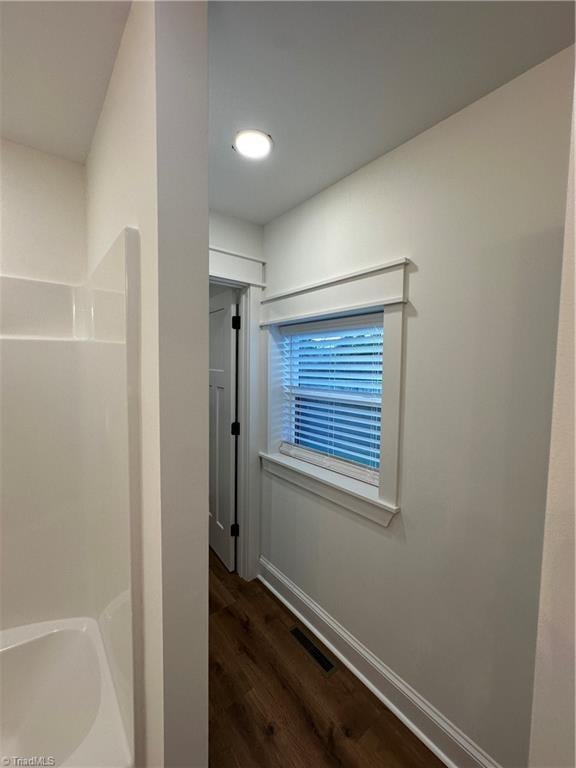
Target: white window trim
x=353 y=495
x=361 y=291
x=345 y=278
x=391 y=405
x=341 y=467
x=379 y=503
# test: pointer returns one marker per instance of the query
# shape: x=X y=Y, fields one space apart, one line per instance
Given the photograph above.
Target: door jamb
x=250 y=416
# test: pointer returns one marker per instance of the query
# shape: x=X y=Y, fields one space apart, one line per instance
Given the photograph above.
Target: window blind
x=332 y=385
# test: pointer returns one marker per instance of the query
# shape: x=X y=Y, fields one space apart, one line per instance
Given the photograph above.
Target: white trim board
x=346 y=492
x=366 y=289
x=225 y=280
x=442 y=737
x=335 y=280
x=250 y=416
x=341 y=311
x=237 y=255
x=235 y=267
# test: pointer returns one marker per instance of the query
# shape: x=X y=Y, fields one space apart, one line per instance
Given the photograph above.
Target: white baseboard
x=441 y=736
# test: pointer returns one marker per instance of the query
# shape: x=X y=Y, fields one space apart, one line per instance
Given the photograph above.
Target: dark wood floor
x=273 y=706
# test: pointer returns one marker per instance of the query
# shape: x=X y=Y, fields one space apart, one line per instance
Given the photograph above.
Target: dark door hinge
x=235 y=428
x=236 y=322
x=234 y=529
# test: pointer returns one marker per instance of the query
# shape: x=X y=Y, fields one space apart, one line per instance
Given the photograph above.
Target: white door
x=222 y=414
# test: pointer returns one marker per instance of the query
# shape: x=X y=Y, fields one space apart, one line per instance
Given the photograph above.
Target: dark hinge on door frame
x=235 y=430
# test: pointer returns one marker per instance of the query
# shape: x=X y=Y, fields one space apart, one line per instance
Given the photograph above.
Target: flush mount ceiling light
x=255 y=145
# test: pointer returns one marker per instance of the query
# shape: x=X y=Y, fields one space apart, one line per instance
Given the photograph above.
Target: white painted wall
x=122 y=191
x=236 y=250
x=552 y=737
x=64 y=461
x=236 y=236
x=182 y=137
x=153 y=117
x=43 y=215
x=448 y=595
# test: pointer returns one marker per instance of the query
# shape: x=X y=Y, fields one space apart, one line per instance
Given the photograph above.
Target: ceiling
x=56 y=60
x=335 y=84
x=339 y=84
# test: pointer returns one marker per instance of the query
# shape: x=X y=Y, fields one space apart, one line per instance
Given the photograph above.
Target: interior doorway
x=224 y=422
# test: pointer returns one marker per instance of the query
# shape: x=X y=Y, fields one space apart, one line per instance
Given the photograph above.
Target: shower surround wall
x=64 y=461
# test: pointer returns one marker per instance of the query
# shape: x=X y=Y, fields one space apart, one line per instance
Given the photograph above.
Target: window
x=334 y=388
x=331 y=381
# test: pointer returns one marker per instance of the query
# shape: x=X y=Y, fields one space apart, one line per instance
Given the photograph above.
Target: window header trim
x=364 y=320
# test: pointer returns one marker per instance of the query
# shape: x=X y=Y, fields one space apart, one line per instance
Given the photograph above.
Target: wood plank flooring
x=273 y=706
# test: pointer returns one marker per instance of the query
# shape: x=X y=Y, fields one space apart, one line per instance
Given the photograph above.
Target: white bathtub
x=57 y=696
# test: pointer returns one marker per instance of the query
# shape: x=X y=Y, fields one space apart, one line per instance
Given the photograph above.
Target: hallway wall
x=553 y=713
x=228 y=233
x=447 y=597
x=155 y=113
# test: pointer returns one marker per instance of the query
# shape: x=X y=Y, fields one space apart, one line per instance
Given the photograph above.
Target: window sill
x=354 y=495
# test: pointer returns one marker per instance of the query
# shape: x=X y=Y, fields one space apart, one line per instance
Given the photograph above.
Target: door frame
x=250 y=416
x=223 y=451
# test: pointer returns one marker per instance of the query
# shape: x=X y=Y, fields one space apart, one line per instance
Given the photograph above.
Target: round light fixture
x=255 y=145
